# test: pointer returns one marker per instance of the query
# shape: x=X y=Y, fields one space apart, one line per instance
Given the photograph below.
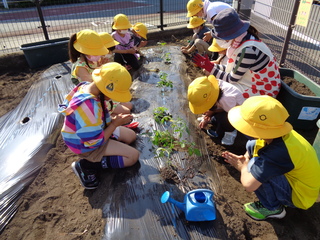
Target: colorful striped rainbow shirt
x=83 y=126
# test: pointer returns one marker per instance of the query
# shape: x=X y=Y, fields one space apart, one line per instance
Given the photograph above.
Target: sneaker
x=87 y=180
x=257 y=211
x=229 y=137
x=199 y=119
x=212 y=133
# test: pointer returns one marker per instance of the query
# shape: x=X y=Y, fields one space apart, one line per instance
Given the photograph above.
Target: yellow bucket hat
x=114 y=81
x=195 y=22
x=108 y=40
x=260 y=117
x=193 y=7
x=89 y=42
x=141 y=30
x=121 y=21
x=203 y=93
x=214 y=47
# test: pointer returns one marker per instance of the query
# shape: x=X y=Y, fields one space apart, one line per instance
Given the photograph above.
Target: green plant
x=161 y=115
x=164 y=82
x=179 y=127
x=167 y=58
x=169 y=140
x=161 y=43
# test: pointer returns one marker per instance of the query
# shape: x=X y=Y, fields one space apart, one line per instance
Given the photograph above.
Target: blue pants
x=274 y=193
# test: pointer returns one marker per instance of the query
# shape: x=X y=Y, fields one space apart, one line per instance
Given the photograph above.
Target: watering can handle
x=200 y=190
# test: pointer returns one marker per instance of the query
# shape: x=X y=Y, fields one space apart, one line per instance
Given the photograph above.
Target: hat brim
x=119 y=96
x=234 y=35
x=194 y=26
x=112 y=44
x=90 y=51
x=214 y=47
x=144 y=36
x=197 y=109
x=190 y=14
x=237 y=121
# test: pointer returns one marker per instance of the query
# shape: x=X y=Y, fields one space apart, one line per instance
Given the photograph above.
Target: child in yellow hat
x=139 y=31
x=197 y=42
x=125 y=51
x=207 y=10
x=222 y=53
x=221 y=59
x=85 y=52
x=280 y=166
x=214 y=98
x=89 y=131
x=110 y=44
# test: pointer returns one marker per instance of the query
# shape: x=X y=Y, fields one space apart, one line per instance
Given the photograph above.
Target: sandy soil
x=55 y=206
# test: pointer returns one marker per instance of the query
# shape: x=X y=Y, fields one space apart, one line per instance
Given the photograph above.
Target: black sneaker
x=87 y=179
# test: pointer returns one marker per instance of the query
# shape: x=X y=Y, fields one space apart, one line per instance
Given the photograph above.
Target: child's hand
x=186 y=51
x=203 y=62
x=207 y=37
x=122 y=119
x=143 y=44
x=203 y=123
x=237 y=161
x=208 y=114
x=103 y=60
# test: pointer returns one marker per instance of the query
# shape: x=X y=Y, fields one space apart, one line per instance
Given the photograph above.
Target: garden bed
x=56 y=207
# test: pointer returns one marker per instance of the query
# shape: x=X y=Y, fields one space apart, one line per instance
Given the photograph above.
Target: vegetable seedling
x=161 y=115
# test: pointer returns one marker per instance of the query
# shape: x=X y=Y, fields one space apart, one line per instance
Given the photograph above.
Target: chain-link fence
x=31 y=21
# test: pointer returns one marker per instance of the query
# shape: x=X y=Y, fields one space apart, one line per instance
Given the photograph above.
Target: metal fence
x=273 y=19
x=23 y=25
x=294 y=46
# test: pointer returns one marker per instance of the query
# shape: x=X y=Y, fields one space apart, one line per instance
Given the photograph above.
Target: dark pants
x=274 y=193
x=222 y=123
x=127 y=59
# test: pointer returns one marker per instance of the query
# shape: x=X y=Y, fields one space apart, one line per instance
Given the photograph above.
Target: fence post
x=43 y=25
x=161 y=16
x=238 y=6
x=289 y=32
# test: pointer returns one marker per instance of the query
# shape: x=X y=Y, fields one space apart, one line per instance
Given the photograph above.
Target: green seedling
x=161 y=43
x=167 y=58
x=193 y=150
x=168 y=140
x=164 y=82
x=179 y=127
x=161 y=115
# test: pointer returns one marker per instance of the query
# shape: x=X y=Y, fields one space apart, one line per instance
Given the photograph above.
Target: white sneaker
x=199 y=119
x=229 y=137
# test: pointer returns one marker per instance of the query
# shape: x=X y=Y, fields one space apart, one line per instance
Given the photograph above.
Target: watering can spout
x=166 y=198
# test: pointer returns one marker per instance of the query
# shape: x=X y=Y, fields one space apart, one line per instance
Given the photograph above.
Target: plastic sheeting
x=130 y=199
x=27 y=133
x=132 y=206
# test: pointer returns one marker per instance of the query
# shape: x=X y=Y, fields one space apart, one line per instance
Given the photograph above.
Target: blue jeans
x=274 y=193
